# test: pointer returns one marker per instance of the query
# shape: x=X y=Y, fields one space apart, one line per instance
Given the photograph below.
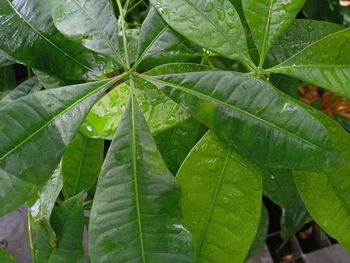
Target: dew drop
x=209 y=7
x=226 y=200
x=221 y=14
x=231 y=24
x=231 y=12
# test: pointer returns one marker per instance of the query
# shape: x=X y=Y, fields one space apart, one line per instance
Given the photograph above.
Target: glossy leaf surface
x=90 y=22
x=136 y=215
x=248 y=114
x=261 y=234
x=292 y=220
x=214 y=25
x=160 y=112
x=49 y=81
x=6 y=257
x=174 y=144
x=40 y=45
x=267 y=19
x=34 y=135
x=182 y=52
x=156 y=36
x=279 y=186
x=5 y=59
x=326 y=194
x=7 y=80
x=41 y=205
x=325 y=63
x=81 y=164
x=67 y=221
x=25 y=88
x=328 y=10
x=300 y=34
x=221 y=201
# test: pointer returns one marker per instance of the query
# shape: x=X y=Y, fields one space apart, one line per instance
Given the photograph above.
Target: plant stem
x=125 y=43
x=30 y=236
x=134 y=6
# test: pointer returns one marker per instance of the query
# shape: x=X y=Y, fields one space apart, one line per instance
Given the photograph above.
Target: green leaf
x=90 y=22
x=35 y=131
x=41 y=204
x=214 y=25
x=261 y=234
x=6 y=60
x=174 y=144
x=248 y=113
x=279 y=186
x=25 y=88
x=156 y=36
x=135 y=215
x=7 y=80
x=267 y=19
x=328 y=10
x=49 y=81
x=161 y=113
x=6 y=257
x=292 y=220
x=38 y=44
x=325 y=63
x=326 y=195
x=81 y=164
x=300 y=34
x=182 y=52
x=67 y=221
x=221 y=201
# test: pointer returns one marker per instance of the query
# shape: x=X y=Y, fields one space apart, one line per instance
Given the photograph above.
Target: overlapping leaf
x=214 y=25
x=37 y=42
x=325 y=63
x=292 y=220
x=250 y=114
x=174 y=144
x=326 y=194
x=68 y=224
x=267 y=19
x=7 y=80
x=279 y=186
x=6 y=257
x=261 y=234
x=34 y=133
x=160 y=112
x=81 y=164
x=90 y=22
x=135 y=215
x=41 y=204
x=25 y=88
x=221 y=201
x=300 y=34
x=156 y=36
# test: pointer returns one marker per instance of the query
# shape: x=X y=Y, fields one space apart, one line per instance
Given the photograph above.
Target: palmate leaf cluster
x=200 y=128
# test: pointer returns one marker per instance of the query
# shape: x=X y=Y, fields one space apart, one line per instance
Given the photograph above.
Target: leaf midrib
x=247 y=59
x=282 y=68
x=98 y=28
x=55 y=117
x=266 y=35
x=46 y=39
x=196 y=93
x=78 y=177
x=135 y=179
x=214 y=199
